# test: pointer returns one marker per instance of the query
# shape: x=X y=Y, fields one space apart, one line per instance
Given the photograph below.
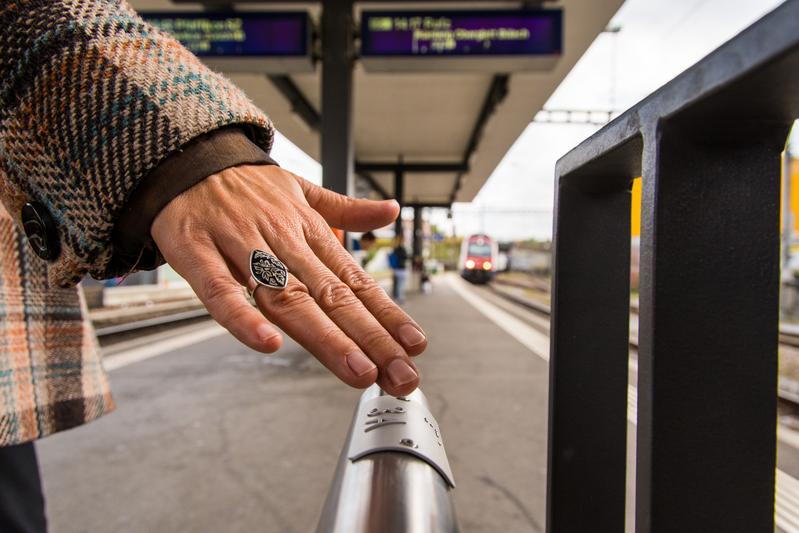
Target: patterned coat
x=91 y=100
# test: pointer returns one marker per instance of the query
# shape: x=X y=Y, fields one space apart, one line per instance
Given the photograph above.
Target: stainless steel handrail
x=386 y=490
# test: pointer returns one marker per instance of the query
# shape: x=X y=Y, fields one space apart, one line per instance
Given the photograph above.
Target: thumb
x=350 y=214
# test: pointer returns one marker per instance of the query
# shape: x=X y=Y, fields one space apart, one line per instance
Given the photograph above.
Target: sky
x=656 y=41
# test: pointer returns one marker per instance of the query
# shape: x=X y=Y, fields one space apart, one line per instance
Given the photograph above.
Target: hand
x=330 y=306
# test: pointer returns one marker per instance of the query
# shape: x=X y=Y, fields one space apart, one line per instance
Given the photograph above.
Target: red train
x=478 y=260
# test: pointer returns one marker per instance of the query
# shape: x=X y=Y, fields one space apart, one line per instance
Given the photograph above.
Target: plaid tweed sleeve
x=91 y=100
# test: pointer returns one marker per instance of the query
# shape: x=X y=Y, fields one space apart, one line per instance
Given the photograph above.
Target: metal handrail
x=392 y=475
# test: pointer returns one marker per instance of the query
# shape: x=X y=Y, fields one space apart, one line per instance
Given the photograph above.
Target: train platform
x=210 y=436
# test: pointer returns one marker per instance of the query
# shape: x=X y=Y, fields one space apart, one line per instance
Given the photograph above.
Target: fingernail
x=400 y=373
x=359 y=363
x=265 y=332
x=410 y=336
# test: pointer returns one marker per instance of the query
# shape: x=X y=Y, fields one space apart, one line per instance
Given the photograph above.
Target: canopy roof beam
x=496 y=94
x=410 y=167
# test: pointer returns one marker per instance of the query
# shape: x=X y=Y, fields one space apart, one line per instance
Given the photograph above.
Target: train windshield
x=479 y=249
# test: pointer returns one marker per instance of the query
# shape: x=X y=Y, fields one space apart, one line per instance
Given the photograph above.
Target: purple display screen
x=461 y=33
x=237 y=34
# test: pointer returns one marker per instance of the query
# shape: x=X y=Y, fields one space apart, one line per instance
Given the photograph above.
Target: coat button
x=41 y=231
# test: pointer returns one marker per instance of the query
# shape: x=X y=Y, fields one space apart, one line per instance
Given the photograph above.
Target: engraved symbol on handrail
x=435 y=430
x=380 y=422
x=378 y=418
x=389 y=411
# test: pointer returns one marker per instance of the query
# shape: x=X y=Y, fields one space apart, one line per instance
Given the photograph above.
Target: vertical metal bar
x=336 y=128
x=399 y=194
x=707 y=374
x=588 y=361
x=417 y=232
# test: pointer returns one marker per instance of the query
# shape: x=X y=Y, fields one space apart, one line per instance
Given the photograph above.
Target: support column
x=399 y=193
x=417 y=232
x=337 y=33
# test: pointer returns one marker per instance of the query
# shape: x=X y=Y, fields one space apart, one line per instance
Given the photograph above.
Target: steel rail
x=787 y=391
x=789 y=333
x=138 y=325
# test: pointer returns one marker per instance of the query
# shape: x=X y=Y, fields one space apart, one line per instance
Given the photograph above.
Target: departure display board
x=420 y=34
x=243 y=41
x=239 y=34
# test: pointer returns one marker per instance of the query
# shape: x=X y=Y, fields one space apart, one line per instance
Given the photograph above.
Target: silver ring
x=266 y=270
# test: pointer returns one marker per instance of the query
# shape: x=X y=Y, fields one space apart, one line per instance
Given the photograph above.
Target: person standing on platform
x=120 y=151
x=398 y=260
x=367 y=242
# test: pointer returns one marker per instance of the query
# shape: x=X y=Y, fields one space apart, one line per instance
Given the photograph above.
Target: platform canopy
x=441 y=130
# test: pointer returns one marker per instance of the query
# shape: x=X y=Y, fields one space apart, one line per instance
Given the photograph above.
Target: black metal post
x=337 y=32
x=707 y=371
x=399 y=193
x=417 y=234
x=589 y=351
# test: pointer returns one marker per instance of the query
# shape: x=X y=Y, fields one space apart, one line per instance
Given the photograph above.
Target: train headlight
x=487 y=265
x=469 y=263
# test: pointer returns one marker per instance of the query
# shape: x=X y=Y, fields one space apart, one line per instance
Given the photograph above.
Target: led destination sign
x=237 y=34
x=461 y=33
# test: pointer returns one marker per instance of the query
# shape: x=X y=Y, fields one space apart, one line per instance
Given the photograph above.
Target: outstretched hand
x=330 y=305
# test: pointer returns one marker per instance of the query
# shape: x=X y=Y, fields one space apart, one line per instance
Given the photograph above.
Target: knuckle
x=335 y=295
x=359 y=281
x=294 y=295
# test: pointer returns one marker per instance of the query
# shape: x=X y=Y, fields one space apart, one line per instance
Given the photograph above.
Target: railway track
x=111 y=334
x=788 y=389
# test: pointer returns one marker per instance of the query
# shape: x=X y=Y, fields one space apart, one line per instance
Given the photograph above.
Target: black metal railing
x=708 y=147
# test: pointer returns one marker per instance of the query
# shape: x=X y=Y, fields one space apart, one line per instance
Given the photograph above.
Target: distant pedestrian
x=367 y=242
x=398 y=260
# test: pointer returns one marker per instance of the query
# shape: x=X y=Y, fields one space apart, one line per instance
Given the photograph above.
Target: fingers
x=351 y=214
x=224 y=298
x=296 y=313
x=347 y=311
x=401 y=326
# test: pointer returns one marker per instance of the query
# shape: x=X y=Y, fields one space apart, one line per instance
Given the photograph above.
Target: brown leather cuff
x=203 y=156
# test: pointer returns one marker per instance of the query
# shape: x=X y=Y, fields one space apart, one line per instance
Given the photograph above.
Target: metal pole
x=336 y=129
x=393 y=475
x=707 y=363
x=417 y=232
x=399 y=192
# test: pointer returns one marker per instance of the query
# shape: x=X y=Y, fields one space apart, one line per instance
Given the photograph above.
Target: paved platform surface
x=213 y=437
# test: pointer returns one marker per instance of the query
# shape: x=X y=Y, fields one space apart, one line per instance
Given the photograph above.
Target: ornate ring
x=266 y=270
